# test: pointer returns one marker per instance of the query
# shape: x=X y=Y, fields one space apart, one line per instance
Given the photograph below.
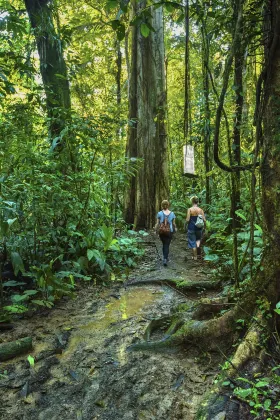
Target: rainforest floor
x=83 y=368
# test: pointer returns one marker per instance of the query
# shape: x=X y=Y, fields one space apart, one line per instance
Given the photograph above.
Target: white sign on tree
x=188 y=152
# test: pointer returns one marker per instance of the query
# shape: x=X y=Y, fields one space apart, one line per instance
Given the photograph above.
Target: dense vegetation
x=96 y=106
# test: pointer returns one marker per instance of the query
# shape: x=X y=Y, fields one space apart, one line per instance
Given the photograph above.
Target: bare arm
x=188 y=215
x=157 y=224
x=174 y=224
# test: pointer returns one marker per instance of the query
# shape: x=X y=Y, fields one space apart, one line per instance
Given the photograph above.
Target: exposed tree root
x=172 y=323
x=194 y=332
x=208 y=307
x=182 y=285
x=185 y=328
x=250 y=347
x=216 y=401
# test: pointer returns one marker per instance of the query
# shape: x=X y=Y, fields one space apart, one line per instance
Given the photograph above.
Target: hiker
x=165 y=227
x=195 y=222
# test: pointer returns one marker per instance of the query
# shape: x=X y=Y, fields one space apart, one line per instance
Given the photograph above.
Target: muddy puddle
x=84 y=371
x=92 y=330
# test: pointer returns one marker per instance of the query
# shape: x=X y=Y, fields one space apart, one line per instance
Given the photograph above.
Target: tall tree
x=207 y=113
x=271 y=152
x=147 y=135
x=52 y=63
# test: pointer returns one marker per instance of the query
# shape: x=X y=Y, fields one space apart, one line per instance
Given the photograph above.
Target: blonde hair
x=164 y=203
x=194 y=199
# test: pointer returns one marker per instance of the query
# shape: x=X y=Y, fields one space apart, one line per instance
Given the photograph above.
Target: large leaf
x=241 y=215
x=243 y=393
x=15 y=309
x=17 y=263
x=19 y=298
x=13 y=283
x=30 y=292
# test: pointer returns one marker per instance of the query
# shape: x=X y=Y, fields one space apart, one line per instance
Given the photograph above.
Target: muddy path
x=83 y=369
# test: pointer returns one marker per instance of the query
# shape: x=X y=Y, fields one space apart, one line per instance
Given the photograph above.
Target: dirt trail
x=83 y=370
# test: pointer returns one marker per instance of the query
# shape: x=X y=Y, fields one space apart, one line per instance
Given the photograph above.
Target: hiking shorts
x=193 y=236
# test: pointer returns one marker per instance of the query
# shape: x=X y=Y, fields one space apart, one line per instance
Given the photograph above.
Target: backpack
x=199 y=222
x=164 y=228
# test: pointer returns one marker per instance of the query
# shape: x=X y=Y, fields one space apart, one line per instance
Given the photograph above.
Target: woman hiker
x=165 y=227
x=196 y=222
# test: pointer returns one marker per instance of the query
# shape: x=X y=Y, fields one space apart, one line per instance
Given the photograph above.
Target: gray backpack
x=199 y=222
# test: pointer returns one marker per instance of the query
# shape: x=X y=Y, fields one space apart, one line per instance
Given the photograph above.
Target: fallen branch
x=15 y=348
x=181 y=285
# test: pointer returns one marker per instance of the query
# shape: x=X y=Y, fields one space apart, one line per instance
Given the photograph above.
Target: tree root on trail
x=15 y=348
x=173 y=323
x=207 y=307
x=182 y=325
x=250 y=347
x=216 y=402
x=193 y=332
x=181 y=285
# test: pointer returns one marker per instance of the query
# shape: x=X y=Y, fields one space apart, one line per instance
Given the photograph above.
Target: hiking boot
x=165 y=261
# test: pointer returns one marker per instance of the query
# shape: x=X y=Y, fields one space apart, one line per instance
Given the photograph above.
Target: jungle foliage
x=63 y=165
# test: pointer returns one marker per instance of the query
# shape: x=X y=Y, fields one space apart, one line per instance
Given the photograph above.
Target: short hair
x=164 y=202
x=194 y=199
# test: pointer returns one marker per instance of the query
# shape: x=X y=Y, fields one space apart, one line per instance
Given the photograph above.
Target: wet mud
x=83 y=369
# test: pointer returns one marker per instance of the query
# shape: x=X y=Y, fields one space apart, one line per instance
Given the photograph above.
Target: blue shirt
x=161 y=216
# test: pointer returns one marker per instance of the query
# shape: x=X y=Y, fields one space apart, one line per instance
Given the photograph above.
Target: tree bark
x=52 y=64
x=207 y=113
x=15 y=348
x=147 y=138
x=187 y=105
x=270 y=169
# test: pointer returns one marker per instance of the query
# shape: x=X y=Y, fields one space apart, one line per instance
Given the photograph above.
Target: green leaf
x=145 y=31
x=111 y=4
x=277 y=311
x=267 y=404
x=238 y=213
x=19 y=298
x=169 y=7
x=180 y=18
x=11 y=221
x=91 y=253
x=16 y=309
x=83 y=263
x=243 y=393
x=278 y=305
x=17 y=263
x=243 y=379
x=260 y=384
x=60 y=76
x=31 y=360
x=258 y=227
x=123 y=6
x=39 y=302
x=30 y=292
x=13 y=283
x=56 y=141
x=143 y=233
x=226 y=383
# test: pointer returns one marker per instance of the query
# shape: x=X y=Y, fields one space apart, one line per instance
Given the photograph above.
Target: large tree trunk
x=52 y=64
x=206 y=108
x=147 y=137
x=187 y=104
x=270 y=168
